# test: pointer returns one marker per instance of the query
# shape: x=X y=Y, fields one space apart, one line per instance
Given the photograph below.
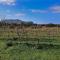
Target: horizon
x=37 y=11
x=25 y=21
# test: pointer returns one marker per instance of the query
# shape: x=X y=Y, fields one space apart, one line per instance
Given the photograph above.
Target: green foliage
x=32 y=47
x=51 y=25
x=9 y=44
x=25 y=52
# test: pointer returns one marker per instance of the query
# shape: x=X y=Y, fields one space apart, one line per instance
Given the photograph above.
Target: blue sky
x=38 y=11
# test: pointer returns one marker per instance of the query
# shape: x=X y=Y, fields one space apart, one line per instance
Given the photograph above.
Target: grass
x=22 y=52
x=33 y=44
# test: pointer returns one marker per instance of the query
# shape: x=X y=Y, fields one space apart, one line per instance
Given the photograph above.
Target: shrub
x=9 y=43
x=39 y=46
x=15 y=38
x=45 y=46
x=51 y=25
x=30 y=45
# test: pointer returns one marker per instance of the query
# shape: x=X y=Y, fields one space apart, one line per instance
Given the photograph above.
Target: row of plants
x=38 y=45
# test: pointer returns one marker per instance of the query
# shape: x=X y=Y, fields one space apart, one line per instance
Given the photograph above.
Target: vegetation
x=22 y=42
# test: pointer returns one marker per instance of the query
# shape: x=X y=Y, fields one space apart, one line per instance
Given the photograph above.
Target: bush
x=39 y=46
x=30 y=45
x=51 y=25
x=15 y=38
x=9 y=43
x=45 y=46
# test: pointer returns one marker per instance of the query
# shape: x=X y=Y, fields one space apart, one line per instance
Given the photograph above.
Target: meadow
x=29 y=43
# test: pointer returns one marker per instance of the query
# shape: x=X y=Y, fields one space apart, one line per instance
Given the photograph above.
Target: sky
x=38 y=11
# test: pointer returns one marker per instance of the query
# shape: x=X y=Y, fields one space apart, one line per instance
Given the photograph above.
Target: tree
x=51 y=25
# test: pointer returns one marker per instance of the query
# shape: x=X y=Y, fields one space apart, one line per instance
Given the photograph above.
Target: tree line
x=28 y=24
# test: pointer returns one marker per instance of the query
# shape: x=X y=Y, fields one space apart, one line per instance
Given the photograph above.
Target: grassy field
x=30 y=44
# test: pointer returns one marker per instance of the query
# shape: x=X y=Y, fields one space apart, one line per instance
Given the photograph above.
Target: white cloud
x=55 y=9
x=39 y=11
x=19 y=14
x=8 y=2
